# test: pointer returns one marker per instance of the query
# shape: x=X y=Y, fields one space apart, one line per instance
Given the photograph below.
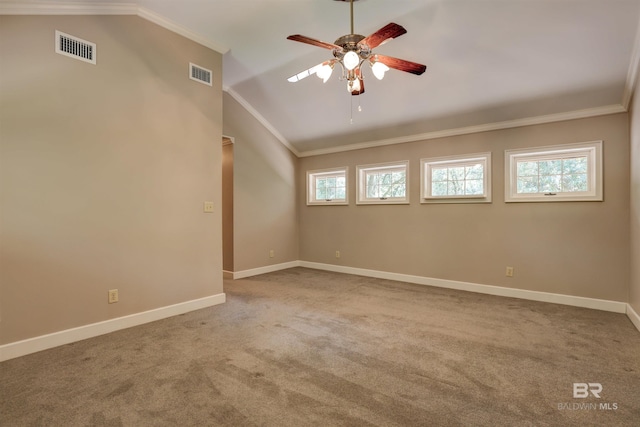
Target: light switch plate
x=208 y=207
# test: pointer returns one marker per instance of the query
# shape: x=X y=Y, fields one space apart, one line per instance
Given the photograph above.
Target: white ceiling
x=488 y=62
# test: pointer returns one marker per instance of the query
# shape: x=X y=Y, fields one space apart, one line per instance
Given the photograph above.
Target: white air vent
x=200 y=74
x=74 y=47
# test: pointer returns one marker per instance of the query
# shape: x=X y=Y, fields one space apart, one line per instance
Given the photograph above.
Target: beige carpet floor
x=310 y=348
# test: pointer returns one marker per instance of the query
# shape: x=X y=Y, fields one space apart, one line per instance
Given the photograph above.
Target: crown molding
x=66 y=8
x=235 y=95
x=106 y=8
x=176 y=28
x=62 y=8
x=529 y=121
x=632 y=73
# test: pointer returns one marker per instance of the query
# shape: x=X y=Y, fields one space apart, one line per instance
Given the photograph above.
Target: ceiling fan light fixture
x=324 y=72
x=379 y=69
x=353 y=86
x=351 y=60
x=352 y=50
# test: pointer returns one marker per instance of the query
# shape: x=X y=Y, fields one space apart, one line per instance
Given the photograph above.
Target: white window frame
x=593 y=151
x=362 y=172
x=311 y=185
x=427 y=165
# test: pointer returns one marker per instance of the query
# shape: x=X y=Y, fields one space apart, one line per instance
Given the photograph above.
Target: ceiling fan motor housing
x=351 y=43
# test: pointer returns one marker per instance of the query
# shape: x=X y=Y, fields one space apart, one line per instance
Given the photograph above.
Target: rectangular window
x=571 y=172
x=383 y=183
x=456 y=179
x=327 y=187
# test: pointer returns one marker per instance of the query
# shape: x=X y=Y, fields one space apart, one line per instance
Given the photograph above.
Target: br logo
x=582 y=390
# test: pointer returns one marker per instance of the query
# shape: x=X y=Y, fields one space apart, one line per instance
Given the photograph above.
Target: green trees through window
x=552 y=176
x=386 y=184
x=570 y=172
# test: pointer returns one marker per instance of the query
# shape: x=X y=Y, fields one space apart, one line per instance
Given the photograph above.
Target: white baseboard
x=633 y=316
x=227 y=274
x=44 y=342
x=267 y=269
x=598 y=304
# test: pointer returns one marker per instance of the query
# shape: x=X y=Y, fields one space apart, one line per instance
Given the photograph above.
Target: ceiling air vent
x=199 y=74
x=74 y=47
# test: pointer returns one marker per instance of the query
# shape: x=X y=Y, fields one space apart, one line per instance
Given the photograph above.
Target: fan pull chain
x=351 y=109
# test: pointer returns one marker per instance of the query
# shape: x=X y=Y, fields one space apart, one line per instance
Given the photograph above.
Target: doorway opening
x=227 y=206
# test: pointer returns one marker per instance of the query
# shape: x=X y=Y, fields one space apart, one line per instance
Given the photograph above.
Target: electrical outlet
x=272 y=253
x=337 y=254
x=208 y=207
x=509 y=272
x=113 y=296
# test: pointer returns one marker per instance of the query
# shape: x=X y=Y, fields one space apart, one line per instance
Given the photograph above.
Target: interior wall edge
x=266 y=269
x=633 y=316
x=56 y=339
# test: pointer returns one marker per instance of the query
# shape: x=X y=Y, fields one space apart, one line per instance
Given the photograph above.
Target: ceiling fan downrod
x=351 y=6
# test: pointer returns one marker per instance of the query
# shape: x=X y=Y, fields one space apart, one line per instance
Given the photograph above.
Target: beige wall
x=264 y=179
x=575 y=248
x=634 y=281
x=104 y=169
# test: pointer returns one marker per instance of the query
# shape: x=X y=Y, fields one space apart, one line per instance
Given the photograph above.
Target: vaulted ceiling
x=490 y=63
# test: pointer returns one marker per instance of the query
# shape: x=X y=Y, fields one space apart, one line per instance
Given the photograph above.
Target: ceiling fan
x=351 y=51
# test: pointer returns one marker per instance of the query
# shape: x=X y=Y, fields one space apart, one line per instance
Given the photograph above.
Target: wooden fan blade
x=313 y=42
x=313 y=70
x=304 y=74
x=389 y=31
x=401 y=64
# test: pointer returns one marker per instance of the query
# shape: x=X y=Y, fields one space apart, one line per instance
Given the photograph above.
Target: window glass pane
x=458 y=180
x=474 y=186
x=550 y=167
x=574 y=182
x=386 y=182
x=398 y=176
x=372 y=185
x=321 y=194
x=324 y=185
x=575 y=165
x=528 y=185
x=455 y=188
x=439 y=174
x=571 y=172
x=456 y=174
x=457 y=177
x=527 y=168
x=555 y=176
x=550 y=183
x=439 y=188
x=474 y=172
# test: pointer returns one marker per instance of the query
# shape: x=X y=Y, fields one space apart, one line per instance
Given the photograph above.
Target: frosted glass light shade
x=324 y=72
x=351 y=60
x=353 y=85
x=378 y=69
